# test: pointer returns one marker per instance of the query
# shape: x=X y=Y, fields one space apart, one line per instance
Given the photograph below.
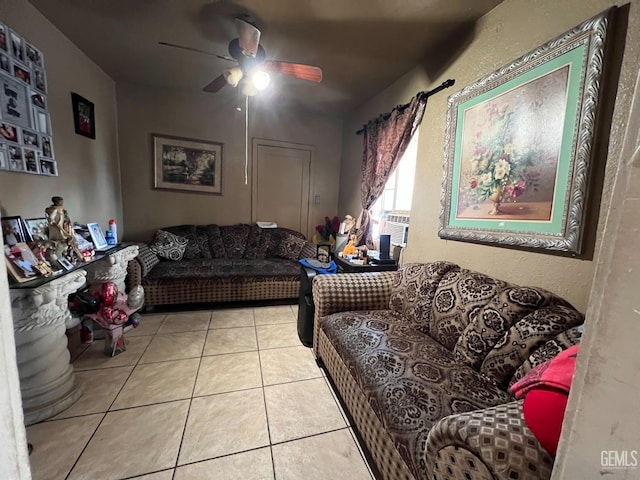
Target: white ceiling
x=362 y=45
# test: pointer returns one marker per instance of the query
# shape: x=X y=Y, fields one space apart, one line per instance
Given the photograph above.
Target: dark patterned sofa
x=223 y=264
x=423 y=359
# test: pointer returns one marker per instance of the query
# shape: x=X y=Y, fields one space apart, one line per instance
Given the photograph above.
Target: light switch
x=316 y=199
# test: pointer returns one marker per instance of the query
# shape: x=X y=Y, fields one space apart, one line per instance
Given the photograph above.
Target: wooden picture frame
x=84 y=118
x=187 y=164
x=518 y=146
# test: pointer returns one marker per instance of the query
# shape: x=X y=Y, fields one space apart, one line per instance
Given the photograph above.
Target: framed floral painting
x=518 y=146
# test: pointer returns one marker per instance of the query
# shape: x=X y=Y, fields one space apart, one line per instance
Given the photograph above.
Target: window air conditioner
x=399 y=232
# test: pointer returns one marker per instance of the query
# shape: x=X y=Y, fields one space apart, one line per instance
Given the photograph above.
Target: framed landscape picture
x=187 y=164
x=518 y=146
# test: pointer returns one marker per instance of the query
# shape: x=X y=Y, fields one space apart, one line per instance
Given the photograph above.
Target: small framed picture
x=30 y=138
x=4 y=159
x=38 y=228
x=17 y=46
x=97 y=237
x=83 y=116
x=38 y=100
x=5 y=62
x=64 y=263
x=21 y=72
x=13 y=230
x=9 y=133
x=41 y=120
x=48 y=167
x=33 y=55
x=30 y=160
x=4 y=44
x=40 y=79
x=47 y=146
x=14 y=101
x=16 y=162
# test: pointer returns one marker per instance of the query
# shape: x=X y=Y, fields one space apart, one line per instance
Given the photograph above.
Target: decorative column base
x=47 y=382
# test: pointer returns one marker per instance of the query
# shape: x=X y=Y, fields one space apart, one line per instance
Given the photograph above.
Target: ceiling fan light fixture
x=260 y=79
x=233 y=76
x=248 y=88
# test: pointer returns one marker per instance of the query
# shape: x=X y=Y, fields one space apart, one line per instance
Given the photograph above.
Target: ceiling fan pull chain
x=246 y=140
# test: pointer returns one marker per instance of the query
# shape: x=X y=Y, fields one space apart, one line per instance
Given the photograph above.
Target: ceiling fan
x=252 y=70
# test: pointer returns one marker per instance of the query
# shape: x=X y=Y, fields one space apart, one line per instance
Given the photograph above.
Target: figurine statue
x=61 y=228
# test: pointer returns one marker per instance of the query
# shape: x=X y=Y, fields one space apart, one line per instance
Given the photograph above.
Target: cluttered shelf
x=42 y=280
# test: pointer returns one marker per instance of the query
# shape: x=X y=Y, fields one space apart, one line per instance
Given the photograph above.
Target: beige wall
x=143 y=111
x=507 y=32
x=89 y=178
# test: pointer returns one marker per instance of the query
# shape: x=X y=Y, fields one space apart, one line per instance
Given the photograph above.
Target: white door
x=281 y=183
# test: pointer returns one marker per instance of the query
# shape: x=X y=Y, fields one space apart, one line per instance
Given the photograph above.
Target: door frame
x=254 y=174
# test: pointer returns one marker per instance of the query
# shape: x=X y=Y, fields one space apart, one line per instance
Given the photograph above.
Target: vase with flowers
x=501 y=168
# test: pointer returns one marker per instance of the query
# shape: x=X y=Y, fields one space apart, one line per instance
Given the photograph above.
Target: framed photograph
x=97 y=237
x=518 y=146
x=30 y=138
x=187 y=164
x=48 y=167
x=9 y=133
x=33 y=55
x=16 y=161
x=4 y=159
x=13 y=230
x=14 y=102
x=41 y=120
x=5 y=62
x=40 y=79
x=47 y=146
x=37 y=228
x=38 y=100
x=4 y=38
x=30 y=160
x=21 y=72
x=83 y=116
x=64 y=263
x=21 y=263
x=17 y=46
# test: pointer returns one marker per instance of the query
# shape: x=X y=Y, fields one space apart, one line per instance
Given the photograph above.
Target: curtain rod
x=445 y=84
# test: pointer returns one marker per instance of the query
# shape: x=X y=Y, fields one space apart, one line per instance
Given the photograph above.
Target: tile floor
x=222 y=394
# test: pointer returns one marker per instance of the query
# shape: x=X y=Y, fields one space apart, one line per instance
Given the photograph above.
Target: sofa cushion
x=197 y=241
x=234 y=238
x=290 y=247
x=253 y=242
x=147 y=259
x=411 y=380
x=168 y=245
x=227 y=267
x=216 y=246
x=458 y=299
x=414 y=287
x=524 y=337
x=495 y=318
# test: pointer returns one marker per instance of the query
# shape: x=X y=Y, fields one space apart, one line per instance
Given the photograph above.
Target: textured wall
x=504 y=34
x=89 y=177
x=143 y=111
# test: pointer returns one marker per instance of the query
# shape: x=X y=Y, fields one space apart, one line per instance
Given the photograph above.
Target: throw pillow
x=290 y=247
x=168 y=245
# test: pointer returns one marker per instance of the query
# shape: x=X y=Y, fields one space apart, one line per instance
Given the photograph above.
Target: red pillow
x=545 y=390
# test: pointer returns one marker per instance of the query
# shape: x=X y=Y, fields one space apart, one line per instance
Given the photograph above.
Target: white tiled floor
x=224 y=394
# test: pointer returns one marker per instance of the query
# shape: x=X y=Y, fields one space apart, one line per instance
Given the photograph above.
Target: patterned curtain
x=385 y=141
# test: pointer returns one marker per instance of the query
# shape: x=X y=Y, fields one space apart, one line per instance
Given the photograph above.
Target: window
x=398 y=190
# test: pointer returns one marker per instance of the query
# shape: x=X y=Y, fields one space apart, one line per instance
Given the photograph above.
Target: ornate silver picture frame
x=518 y=146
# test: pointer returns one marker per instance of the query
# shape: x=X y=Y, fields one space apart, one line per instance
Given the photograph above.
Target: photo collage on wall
x=26 y=144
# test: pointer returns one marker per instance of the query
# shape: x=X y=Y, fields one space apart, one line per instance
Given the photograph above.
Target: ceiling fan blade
x=215 y=85
x=297 y=70
x=248 y=36
x=191 y=49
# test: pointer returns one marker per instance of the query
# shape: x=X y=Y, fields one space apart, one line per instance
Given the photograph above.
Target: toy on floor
x=114 y=314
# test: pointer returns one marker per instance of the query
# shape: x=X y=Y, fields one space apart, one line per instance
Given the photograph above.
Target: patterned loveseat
x=223 y=264
x=423 y=358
